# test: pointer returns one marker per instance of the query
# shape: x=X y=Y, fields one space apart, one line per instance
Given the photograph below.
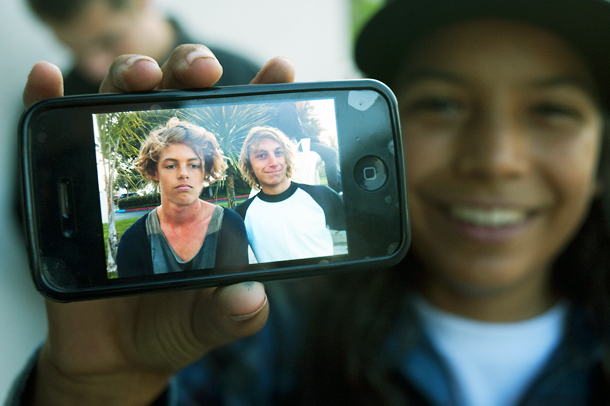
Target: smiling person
x=285 y=220
x=184 y=232
x=504 y=297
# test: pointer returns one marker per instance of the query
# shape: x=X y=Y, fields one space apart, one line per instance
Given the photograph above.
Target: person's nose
x=273 y=160
x=95 y=66
x=493 y=145
x=183 y=172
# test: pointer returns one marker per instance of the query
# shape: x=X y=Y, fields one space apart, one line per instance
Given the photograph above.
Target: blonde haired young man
x=285 y=220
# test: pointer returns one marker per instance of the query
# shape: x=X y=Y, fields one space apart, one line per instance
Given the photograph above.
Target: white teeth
x=495 y=217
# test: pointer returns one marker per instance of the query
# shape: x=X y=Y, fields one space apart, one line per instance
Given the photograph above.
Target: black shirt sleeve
x=232 y=250
x=133 y=256
x=330 y=201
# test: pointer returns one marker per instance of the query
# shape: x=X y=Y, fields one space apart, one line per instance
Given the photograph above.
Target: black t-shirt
x=134 y=256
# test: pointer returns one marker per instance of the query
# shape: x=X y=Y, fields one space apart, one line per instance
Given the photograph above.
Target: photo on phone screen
x=274 y=163
x=167 y=190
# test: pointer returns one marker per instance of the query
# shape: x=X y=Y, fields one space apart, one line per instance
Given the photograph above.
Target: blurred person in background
x=97 y=31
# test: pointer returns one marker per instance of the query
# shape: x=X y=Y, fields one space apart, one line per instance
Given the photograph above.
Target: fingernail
x=198 y=54
x=243 y=317
x=132 y=61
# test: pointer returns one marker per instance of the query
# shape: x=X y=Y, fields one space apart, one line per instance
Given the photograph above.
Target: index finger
x=190 y=66
x=44 y=82
x=277 y=70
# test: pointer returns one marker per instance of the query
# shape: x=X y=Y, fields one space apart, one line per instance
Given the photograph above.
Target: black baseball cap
x=585 y=24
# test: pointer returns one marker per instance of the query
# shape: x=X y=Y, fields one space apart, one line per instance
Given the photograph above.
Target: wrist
x=53 y=386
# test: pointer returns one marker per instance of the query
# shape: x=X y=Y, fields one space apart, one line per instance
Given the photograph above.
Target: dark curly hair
x=62 y=11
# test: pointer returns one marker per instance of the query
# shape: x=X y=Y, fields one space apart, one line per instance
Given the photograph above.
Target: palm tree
x=136 y=130
x=231 y=125
x=119 y=135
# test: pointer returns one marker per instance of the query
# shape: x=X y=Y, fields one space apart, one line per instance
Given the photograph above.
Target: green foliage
x=121 y=226
x=133 y=128
x=218 y=190
x=231 y=125
x=117 y=134
x=154 y=199
x=362 y=11
x=122 y=135
x=137 y=202
x=310 y=123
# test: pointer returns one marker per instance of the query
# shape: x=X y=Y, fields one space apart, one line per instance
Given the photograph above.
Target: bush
x=138 y=202
x=154 y=199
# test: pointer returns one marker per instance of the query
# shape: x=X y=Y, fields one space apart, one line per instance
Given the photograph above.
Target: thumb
x=236 y=311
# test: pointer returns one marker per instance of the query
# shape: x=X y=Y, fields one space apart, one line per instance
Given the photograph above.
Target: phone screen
x=310 y=149
x=281 y=181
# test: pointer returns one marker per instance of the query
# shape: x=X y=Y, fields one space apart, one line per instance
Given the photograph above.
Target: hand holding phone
x=126 y=347
x=301 y=217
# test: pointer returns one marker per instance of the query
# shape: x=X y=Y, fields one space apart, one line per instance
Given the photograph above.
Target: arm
x=134 y=257
x=123 y=351
x=335 y=214
x=233 y=241
x=331 y=202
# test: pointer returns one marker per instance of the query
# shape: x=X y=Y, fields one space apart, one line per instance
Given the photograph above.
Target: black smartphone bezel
x=63 y=284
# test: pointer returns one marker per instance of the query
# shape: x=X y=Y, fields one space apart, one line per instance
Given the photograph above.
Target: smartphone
x=95 y=228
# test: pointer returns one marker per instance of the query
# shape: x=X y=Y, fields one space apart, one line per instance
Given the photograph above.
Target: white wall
x=313 y=34
x=22 y=321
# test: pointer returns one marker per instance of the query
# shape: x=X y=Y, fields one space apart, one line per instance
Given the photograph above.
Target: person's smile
x=486 y=222
x=280 y=170
x=269 y=164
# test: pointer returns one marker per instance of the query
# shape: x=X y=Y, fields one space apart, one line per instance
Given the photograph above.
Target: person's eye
x=261 y=156
x=279 y=153
x=433 y=107
x=556 y=111
x=170 y=166
x=436 y=104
